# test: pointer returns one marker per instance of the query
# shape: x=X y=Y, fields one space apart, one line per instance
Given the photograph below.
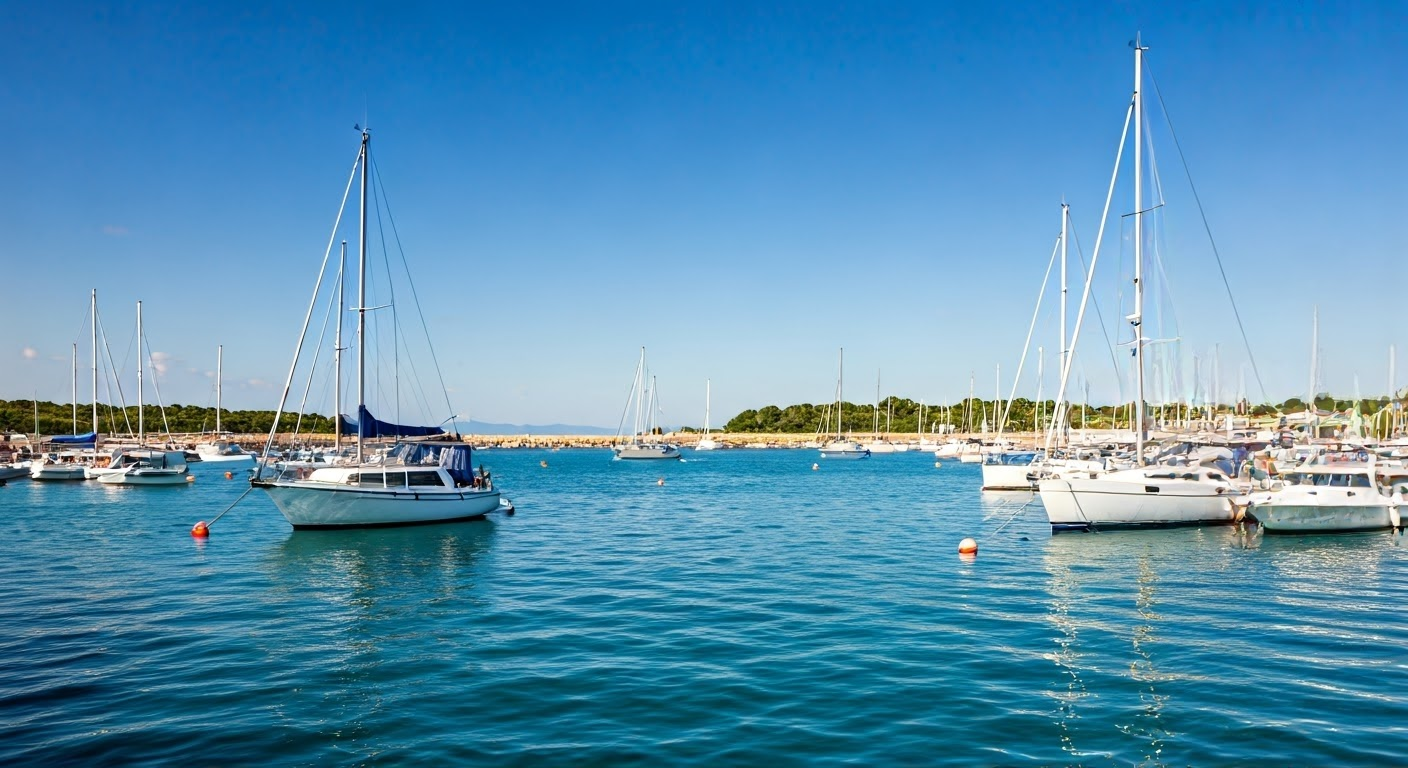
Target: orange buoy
x=200 y=530
x=968 y=547
x=229 y=475
x=661 y=481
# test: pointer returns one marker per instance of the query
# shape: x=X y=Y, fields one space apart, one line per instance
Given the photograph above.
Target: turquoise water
x=749 y=611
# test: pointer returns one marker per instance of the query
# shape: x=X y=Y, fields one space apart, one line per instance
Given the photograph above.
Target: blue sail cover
x=455 y=459
x=369 y=426
x=90 y=438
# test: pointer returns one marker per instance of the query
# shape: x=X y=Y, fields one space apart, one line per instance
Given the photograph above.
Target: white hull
x=1319 y=518
x=310 y=504
x=646 y=451
x=844 y=450
x=238 y=459
x=1008 y=477
x=144 y=476
x=972 y=457
x=707 y=444
x=57 y=472
x=1137 y=498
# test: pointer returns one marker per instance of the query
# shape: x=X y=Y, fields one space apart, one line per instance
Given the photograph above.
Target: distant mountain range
x=486 y=428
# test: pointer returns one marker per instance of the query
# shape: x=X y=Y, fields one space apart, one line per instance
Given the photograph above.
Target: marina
x=368 y=491
x=748 y=610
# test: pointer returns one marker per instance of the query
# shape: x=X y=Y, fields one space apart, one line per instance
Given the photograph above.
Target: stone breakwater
x=682 y=439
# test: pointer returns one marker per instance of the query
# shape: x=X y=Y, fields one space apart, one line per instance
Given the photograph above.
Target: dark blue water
x=749 y=611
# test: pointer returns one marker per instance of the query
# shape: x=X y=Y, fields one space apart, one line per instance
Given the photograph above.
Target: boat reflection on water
x=384 y=568
x=1096 y=611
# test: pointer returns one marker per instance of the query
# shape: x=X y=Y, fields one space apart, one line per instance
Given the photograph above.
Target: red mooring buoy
x=200 y=530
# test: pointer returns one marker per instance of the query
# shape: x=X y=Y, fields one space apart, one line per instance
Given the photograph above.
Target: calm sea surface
x=750 y=611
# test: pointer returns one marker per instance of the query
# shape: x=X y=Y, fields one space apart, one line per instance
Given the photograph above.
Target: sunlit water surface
x=750 y=610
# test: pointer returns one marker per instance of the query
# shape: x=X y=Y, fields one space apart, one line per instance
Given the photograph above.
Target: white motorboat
x=427 y=477
x=156 y=468
x=642 y=445
x=1332 y=498
x=53 y=467
x=1010 y=470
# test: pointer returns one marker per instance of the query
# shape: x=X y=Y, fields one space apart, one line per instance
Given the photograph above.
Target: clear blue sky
x=742 y=188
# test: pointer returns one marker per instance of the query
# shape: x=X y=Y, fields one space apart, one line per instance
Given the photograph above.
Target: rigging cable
x=1206 y=227
x=396 y=235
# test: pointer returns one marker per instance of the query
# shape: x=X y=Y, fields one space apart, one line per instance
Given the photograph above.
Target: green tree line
x=1024 y=415
x=57 y=419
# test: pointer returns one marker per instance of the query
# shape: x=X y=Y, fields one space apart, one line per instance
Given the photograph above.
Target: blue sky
x=741 y=188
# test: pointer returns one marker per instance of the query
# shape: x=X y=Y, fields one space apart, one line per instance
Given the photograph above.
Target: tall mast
x=640 y=396
x=877 y=405
x=337 y=357
x=1137 y=319
x=706 y=407
x=95 y=365
x=841 y=379
x=141 y=427
x=1314 y=356
x=75 y=388
x=362 y=304
x=219 y=372
x=1065 y=218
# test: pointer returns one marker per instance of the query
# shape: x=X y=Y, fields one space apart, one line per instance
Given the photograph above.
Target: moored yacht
x=1333 y=497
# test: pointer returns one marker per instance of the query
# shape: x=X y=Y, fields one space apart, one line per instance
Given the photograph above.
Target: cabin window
x=425 y=479
x=395 y=479
x=371 y=478
x=1151 y=489
x=1358 y=481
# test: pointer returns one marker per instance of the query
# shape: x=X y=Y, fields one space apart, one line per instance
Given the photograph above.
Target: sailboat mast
x=1138 y=317
x=95 y=366
x=640 y=396
x=1314 y=358
x=219 y=372
x=706 y=407
x=337 y=356
x=75 y=388
x=1065 y=219
x=840 y=383
x=362 y=304
x=141 y=427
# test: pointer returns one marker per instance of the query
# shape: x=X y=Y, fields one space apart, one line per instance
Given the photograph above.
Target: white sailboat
x=842 y=447
x=426 y=479
x=143 y=466
x=706 y=443
x=219 y=449
x=635 y=447
x=1140 y=496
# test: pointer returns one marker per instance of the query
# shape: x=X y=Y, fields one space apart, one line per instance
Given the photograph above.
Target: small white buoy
x=968 y=547
x=937 y=465
x=815 y=467
x=543 y=463
x=661 y=481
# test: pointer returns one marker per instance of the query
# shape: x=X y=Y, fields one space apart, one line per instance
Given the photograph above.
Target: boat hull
x=1074 y=504
x=58 y=472
x=15 y=473
x=646 y=452
x=144 y=476
x=1008 y=477
x=318 y=505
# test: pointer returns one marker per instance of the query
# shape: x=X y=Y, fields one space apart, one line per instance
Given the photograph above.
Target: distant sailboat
x=842 y=447
x=635 y=447
x=219 y=448
x=706 y=443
